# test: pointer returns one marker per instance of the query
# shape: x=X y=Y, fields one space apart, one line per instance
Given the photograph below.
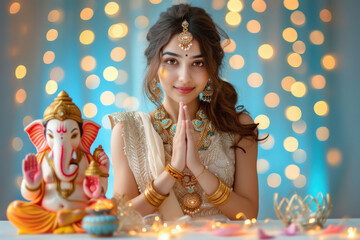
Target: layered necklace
x=165 y=127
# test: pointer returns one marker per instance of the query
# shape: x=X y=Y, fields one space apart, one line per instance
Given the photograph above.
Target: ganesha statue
x=63 y=178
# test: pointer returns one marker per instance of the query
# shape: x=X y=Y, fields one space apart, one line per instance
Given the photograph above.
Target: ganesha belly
x=63 y=178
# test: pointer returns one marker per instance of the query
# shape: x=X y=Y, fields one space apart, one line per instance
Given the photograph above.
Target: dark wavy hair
x=222 y=110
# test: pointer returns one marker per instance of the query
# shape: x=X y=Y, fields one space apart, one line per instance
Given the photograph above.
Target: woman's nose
x=184 y=73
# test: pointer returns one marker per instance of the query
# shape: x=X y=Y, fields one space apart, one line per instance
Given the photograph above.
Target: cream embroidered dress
x=147 y=157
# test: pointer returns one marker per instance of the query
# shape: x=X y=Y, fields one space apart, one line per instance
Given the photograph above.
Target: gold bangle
x=31 y=189
x=152 y=196
x=221 y=195
x=174 y=173
x=203 y=171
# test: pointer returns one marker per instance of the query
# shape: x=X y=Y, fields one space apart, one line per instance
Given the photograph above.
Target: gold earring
x=208 y=91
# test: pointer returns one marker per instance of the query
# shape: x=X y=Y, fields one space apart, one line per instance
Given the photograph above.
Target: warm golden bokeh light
x=299 y=126
x=289 y=34
x=317 y=37
x=236 y=62
x=27 y=120
x=155 y=1
x=120 y=98
x=262 y=166
x=291 y=4
x=88 y=63
x=253 y=26
x=325 y=15
x=235 y=5
x=87 y=37
x=14 y=8
x=292 y=171
x=228 y=45
x=49 y=57
x=112 y=8
x=118 y=30
x=20 y=72
x=274 y=180
x=218 y=4
x=298 y=89
x=122 y=78
x=291 y=144
x=299 y=47
x=263 y=121
x=322 y=133
x=294 y=60
x=107 y=98
x=328 y=62
x=272 y=100
x=298 y=18
x=55 y=15
x=259 y=6
x=255 y=80
x=233 y=18
x=17 y=144
x=20 y=96
x=268 y=143
x=92 y=81
x=293 y=113
x=299 y=156
x=86 y=14
x=131 y=104
x=52 y=35
x=266 y=51
x=51 y=87
x=90 y=110
x=141 y=22
x=300 y=181
x=321 y=108
x=287 y=82
x=334 y=157
x=110 y=73
x=318 y=81
x=57 y=74
x=118 y=54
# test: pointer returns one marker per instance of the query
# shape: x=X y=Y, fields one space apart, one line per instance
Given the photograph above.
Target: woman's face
x=183 y=75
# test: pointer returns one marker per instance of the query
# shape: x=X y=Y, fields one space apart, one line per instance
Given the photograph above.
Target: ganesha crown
x=62 y=108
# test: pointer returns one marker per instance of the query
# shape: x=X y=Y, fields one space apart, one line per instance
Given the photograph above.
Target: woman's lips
x=184 y=90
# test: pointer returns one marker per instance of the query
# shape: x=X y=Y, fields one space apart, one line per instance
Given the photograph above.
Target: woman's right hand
x=178 y=160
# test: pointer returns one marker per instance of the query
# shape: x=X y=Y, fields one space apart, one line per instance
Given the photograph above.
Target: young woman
x=196 y=153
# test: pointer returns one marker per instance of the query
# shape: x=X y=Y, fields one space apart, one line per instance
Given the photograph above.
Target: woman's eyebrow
x=177 y=55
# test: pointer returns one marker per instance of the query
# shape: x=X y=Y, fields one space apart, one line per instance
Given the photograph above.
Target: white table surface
x=9 y=232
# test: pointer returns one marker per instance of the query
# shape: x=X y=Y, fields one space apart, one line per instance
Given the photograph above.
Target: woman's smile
x=184 y=90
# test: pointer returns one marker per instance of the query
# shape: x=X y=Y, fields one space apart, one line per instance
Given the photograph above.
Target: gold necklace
x=165 y=127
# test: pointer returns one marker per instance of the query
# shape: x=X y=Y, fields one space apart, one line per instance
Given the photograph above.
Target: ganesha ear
x=35 y=130
x=90 y=131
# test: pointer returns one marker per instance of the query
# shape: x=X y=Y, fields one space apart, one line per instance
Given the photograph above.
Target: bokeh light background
x=285 y=58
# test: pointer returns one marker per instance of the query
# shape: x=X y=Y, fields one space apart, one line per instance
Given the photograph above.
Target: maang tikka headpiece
x=185 y=37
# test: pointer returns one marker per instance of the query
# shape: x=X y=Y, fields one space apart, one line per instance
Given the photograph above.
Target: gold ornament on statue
x=62 y=108
x=307 y=213
x=93 y=169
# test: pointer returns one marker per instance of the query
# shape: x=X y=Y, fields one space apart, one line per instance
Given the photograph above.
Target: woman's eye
x=50 y=136
x=171 y=61
x=198 y=64
x=74 y=136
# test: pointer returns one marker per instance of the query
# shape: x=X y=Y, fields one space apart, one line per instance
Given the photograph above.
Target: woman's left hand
x=192 y=155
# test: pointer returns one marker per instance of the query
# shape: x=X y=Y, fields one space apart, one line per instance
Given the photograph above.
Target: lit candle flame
x=351 y=232
x=247 y=221
x=253 y=220
x=164 y=236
